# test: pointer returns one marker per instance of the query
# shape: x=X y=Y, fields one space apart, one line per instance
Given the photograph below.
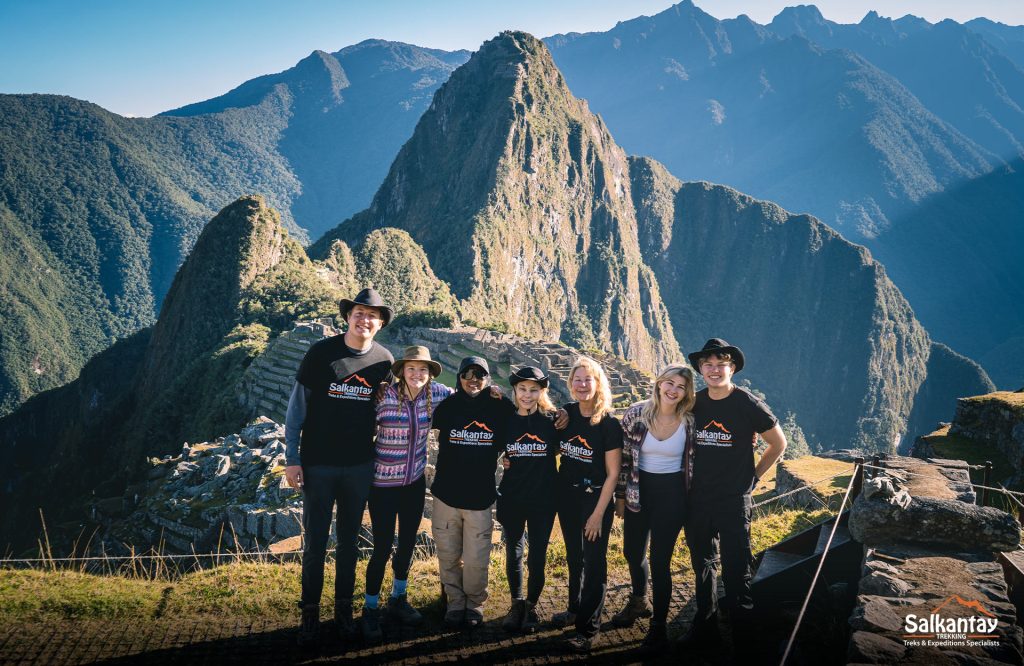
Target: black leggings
x=515 y=520
x=587 y=560
x=387 y=503
x=662 y=510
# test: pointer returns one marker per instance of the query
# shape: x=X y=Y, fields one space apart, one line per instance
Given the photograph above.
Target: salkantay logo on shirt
x=528 y=445
x=937 y=629
x=352 y=387
x=473 y=433
x=577 y=448
x=713 y=434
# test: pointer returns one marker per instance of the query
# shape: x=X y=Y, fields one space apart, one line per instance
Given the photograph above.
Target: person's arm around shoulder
x=629 y=423
x=295 y=418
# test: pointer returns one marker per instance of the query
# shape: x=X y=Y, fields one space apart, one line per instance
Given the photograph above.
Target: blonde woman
x=591 y=450
x=651 y=497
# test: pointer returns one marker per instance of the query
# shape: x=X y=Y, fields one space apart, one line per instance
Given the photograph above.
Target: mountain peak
x=518 y=195
x=243 y=241
x=803 y=20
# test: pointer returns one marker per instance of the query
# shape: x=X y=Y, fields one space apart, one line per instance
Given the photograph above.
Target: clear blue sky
x=145 y=56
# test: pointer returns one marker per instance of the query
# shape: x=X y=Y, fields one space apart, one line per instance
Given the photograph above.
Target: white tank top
x=663 y=457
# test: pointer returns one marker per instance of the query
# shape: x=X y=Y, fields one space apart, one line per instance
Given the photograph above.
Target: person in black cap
x=471 y=436
x=526 y=496
x=329 y=431
x=727 y=420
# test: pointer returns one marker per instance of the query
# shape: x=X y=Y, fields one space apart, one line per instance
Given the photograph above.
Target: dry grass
x=1011 y=398
x=812 y=470
x=270 y=590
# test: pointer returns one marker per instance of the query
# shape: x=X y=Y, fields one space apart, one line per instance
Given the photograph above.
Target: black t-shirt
x=470 y=437
x=341 y=417
x=531 y=444
x=726 y=431
x=583 y=446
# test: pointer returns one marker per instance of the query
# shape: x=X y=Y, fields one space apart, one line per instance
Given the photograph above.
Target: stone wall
x=231 y=491
x=997 y=420
x=449 y=346
x=267 y=383
x=931 y=556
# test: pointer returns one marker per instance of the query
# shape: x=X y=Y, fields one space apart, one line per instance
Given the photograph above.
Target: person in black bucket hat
x=329 y=432
x=526 y=496
x=728 y=419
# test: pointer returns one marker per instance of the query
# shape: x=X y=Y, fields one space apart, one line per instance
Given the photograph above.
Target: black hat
x=371 y=299
x=474 y=360
x=717 y=346
x=529 y=373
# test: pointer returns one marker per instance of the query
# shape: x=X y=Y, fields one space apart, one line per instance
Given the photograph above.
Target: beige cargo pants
x=463 y=541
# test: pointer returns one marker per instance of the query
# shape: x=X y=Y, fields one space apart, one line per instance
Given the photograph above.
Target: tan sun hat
x=416 y=353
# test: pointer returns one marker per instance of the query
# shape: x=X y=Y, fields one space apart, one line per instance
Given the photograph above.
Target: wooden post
x=985 y=479
x=875 y=460
x=858 y=478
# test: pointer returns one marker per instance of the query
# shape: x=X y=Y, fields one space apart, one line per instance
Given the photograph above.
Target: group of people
x=356 y=433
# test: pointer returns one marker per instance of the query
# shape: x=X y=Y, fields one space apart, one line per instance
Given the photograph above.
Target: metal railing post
x=985 y=482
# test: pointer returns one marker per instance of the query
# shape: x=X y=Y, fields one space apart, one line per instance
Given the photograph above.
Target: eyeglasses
x=473 y=373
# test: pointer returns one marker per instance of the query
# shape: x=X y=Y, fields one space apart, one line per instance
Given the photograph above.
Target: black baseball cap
x=478 y=361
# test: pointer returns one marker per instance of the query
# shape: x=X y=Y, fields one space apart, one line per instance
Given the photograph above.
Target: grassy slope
x=269 y=590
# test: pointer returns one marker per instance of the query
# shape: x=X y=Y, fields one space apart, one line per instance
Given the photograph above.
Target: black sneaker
x=309 y=625
x=513 y=621
x=474 y=618
x=563 y=619
x=579 y=644
x=531 y=622
x=402 y=612
x=371 y=626
x=343 y=622
x=636 y=607
x=453 y=619
x=701 y=634
x=656 y=640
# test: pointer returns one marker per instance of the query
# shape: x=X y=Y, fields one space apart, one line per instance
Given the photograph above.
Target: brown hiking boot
x=636 y=607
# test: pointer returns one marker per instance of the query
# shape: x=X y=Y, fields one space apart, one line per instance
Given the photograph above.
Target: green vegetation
x=958 y=447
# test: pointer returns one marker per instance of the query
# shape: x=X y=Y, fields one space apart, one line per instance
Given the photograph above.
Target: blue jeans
x=323 y=486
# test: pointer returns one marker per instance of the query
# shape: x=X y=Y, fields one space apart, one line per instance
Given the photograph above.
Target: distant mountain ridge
x=916 y=111
x=108 y=207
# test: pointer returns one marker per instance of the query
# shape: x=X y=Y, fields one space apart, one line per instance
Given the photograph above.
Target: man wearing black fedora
x=728 y=419
x=329 y=432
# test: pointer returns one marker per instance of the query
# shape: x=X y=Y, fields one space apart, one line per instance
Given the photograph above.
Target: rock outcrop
x=932 y=589
x=229 y=493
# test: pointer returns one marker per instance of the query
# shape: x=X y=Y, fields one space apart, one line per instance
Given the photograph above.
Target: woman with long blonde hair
x=590 y=448
x=651 y=497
